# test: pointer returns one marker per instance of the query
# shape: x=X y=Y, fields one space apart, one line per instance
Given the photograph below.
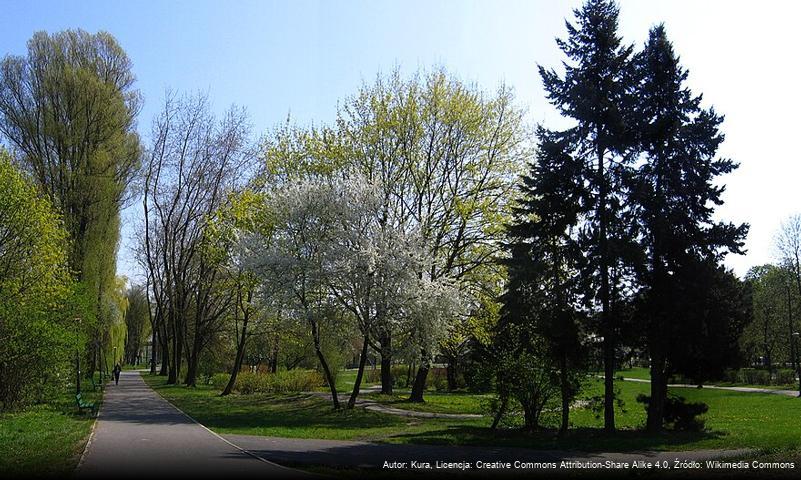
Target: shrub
x=527 y=378
x=220 y=379
x=286 y=381
x=372 y=375
x=679 y=414
x=400 y=375
x=730 y=376
x=785 y=376
x=754 y=376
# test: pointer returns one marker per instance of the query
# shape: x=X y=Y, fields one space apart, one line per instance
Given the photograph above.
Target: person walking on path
x=117 y=370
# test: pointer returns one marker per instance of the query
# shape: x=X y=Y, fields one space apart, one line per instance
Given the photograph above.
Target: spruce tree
x=674 y=195
x=595 y=92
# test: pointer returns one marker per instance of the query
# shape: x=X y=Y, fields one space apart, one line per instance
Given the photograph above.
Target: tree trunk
x=324 y=364
x=656 y=406
x=190 y=379
x=240 y=356
x=176 y=352
x=792 y=329
x=530 y=418
x=606 y=318
x=153 y=345
x=359 y=374
x=565 y=391
x=386 y=363
x=165 y=356
x=451 y=373
x=193 y=359
x=420 y=380
x=501 y=411
x=274 y=356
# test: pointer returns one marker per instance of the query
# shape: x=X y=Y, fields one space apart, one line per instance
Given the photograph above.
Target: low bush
x=679 y=414
x=754 y=376
x=220 y=379
x=758 y=376
x=400 y=376
x=730 y=376
x=785 y=376
x=286 y=381
x=438 y=379
x=372 y=375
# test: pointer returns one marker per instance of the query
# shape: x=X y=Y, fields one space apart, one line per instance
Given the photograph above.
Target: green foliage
x=37 y=327
x=411 y=137
x=766 y=339
x=219 y=380
x=525 y=376
x=283 y=381
x=137 y=322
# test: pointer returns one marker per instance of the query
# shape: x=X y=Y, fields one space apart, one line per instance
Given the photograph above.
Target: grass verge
x=44 y=440
x=735 y=420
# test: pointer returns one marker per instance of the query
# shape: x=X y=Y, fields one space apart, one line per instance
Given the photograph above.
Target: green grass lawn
x=642 y=373
x=44 y=440
x=735 y=420
x=436 y=402
x=345 y=381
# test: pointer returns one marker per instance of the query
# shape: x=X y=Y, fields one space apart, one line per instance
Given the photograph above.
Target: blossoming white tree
x=329 y=250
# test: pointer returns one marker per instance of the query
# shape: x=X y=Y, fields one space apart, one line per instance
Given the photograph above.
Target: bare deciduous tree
x=194 y=163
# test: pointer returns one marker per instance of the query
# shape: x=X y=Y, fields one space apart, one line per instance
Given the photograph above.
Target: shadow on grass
x=266 y=411
x=311 y=417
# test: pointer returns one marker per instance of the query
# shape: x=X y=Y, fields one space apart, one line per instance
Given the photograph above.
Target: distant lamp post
x=115 y=356
x=798 y=367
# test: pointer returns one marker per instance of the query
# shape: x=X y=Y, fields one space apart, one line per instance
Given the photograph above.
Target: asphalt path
x=139 y=434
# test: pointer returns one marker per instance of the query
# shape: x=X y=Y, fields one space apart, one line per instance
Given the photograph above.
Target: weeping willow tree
x=67 y=111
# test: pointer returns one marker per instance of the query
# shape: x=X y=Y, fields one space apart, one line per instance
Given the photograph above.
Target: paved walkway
x=139 y=434
x=789 y=393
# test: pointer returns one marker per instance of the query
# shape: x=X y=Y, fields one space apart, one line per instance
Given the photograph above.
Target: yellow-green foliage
x=113 y=324
x=71 y=115
x=36 y=326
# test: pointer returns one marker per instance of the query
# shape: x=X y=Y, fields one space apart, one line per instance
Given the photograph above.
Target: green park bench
x=84 y=405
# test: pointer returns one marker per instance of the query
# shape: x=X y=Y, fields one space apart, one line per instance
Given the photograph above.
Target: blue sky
x=302 y=57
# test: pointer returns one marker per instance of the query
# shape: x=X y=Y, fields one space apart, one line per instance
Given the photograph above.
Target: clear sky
x=301 y=57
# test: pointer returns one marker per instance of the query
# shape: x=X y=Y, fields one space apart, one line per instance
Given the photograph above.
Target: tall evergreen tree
x=595 y=92
x=674 y=197
x=543 y=295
